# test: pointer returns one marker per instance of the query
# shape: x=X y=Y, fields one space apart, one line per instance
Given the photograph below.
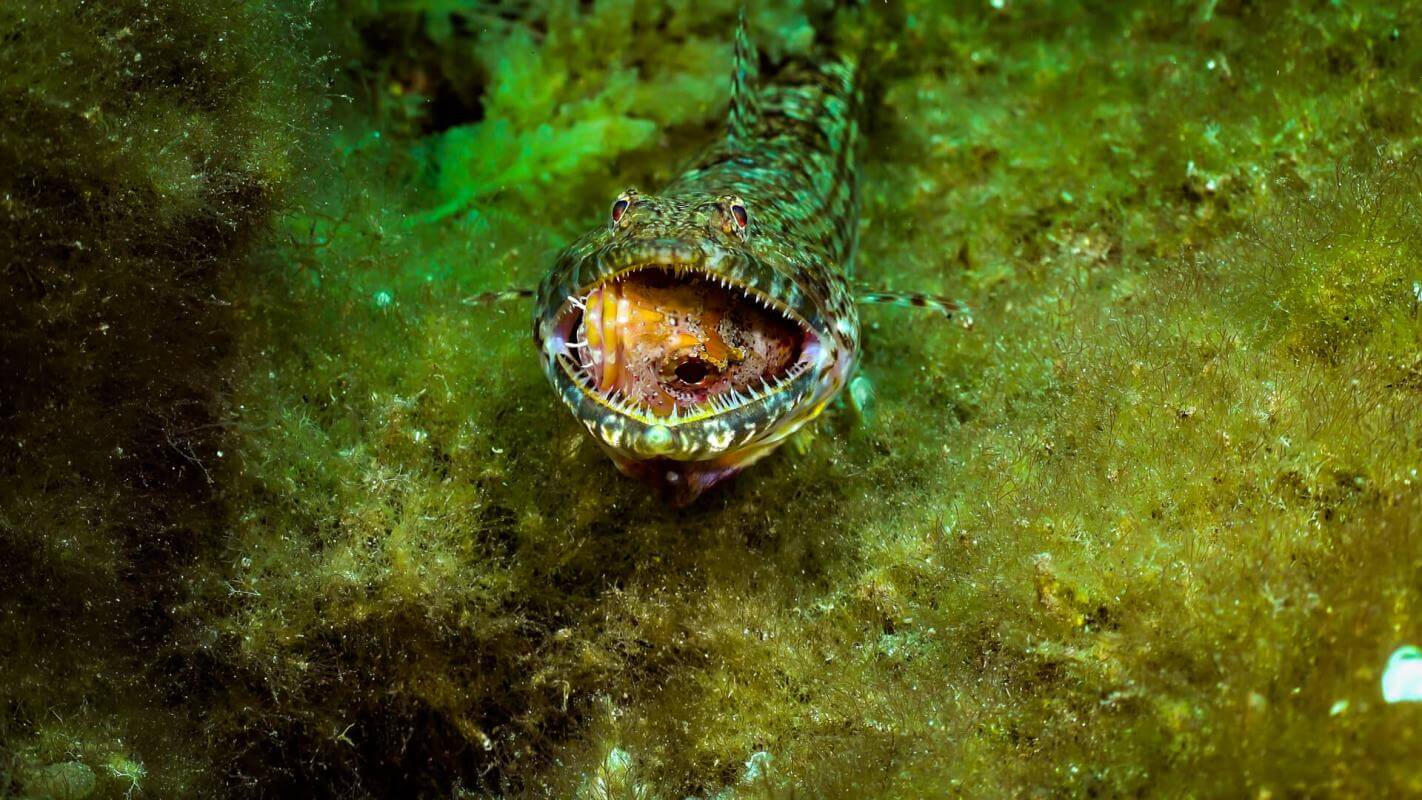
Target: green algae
x=301 y=520
x=142 y=148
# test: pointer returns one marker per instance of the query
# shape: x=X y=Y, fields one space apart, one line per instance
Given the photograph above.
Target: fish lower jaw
x=726 y=434
x=616 y=400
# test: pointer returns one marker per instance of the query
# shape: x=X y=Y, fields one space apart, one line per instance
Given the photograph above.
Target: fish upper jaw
x=762 y=273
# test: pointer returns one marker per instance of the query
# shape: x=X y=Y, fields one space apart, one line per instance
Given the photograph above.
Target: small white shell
x=1402 y=680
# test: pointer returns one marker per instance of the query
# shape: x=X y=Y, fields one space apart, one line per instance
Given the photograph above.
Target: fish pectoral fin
x=802 y=440
x=487 y=298
x=946 y=306
x=861 y=398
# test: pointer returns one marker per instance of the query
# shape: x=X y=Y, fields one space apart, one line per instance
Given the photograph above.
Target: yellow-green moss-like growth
x=1147 y=530
x=142 y=148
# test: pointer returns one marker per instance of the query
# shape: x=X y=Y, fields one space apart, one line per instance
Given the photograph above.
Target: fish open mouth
x=668 y=343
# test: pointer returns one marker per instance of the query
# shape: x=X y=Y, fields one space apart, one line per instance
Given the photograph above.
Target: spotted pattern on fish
x=790 y=161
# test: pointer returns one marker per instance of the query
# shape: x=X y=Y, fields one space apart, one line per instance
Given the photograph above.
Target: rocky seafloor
x=282 y=515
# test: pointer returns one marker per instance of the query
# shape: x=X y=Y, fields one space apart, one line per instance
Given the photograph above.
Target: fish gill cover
x=280 y=514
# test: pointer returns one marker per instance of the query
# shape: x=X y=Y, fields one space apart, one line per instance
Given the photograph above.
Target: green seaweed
x=283 y=514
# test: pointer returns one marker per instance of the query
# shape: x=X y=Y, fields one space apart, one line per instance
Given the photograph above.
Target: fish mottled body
x=708 y=321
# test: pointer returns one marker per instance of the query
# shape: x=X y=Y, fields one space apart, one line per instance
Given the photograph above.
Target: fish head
x=686 y=347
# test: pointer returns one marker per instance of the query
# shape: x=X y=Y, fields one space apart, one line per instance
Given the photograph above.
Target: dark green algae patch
x=280 y=514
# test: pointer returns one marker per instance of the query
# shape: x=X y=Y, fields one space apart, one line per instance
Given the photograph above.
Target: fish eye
x=734 y=217
x=624 y=202
x=693 y=371
x=738 y=211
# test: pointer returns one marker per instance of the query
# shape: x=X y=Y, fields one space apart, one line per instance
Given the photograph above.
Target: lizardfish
x=703 y=324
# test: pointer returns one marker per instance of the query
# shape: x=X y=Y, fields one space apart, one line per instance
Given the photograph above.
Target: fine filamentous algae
x=287 y=507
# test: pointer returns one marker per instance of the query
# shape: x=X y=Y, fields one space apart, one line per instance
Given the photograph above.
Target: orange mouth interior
x=672 y=343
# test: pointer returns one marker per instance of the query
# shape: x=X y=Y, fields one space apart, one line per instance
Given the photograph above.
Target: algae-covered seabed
x=280 y=514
